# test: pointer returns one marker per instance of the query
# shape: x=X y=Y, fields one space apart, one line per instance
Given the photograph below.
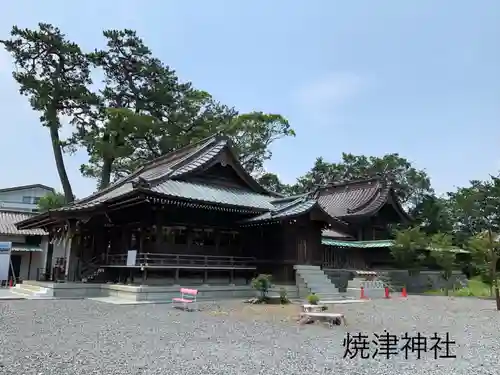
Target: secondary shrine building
x=196 y=216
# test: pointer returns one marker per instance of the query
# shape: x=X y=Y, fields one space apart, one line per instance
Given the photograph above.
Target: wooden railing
x=183 y=260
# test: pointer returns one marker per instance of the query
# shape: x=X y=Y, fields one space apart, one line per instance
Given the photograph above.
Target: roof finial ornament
x=141 y=183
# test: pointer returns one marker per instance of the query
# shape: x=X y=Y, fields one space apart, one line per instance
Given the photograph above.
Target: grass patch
x=476 y=288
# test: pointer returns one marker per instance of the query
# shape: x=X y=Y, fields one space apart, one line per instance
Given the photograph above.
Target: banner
x=5 y=248
x=131 y=257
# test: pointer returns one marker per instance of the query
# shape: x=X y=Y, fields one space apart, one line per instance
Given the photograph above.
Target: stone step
x=316 y=274
x=306 y=267
x=31 y=290
x=311 y=272
x=21 y=292
x=320 y=285
x=34 y=288
x=324 y=290
x=317 y=281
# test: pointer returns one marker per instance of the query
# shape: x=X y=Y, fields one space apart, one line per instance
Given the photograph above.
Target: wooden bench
x=188 y=297
x=314 y=308
x=332 y=318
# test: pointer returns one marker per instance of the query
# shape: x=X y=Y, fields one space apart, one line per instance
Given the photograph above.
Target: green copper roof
x=374 y=245
x=357 y=244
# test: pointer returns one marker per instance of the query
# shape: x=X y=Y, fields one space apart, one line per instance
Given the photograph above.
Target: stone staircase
x=95 y=276
x=312 y=279
x=31 y=291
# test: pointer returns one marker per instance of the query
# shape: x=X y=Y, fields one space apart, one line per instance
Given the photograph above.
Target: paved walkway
x=6 y=294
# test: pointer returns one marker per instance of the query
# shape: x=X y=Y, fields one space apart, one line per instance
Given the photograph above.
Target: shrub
x=284 y=297
x=262 y=284
x=313 y=299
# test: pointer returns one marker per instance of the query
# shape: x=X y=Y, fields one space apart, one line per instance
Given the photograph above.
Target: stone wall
x=340 y=278
x=422 y=281
x=417 y=283
x=155 y=293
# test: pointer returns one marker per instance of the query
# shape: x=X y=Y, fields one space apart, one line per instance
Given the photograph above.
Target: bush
x=313 y=299
x=284 y=297
x=262 y=283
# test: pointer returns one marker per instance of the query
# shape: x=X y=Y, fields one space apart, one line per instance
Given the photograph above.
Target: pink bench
x=188 y=296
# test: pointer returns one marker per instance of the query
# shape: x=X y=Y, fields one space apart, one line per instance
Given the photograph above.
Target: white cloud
x=324 y=96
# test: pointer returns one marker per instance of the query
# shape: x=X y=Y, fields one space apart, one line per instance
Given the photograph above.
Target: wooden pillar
x=159 y=231
x=189 y=238
x=217 y=235
x=29 y=265
x=176 y=277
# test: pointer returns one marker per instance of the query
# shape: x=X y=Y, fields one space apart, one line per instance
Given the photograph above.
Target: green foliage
x=284 y=297
x=252 y=135
x=54 y=74
x=262 y=283
x=312 y=299
x=51 y=201
x=408 y=244
x=485 y=253
x=441 y=247
x=433 y=215
x=476 y=288
x=142 y=112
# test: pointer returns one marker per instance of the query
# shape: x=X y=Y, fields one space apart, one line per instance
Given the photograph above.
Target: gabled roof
x=289 y=210
x=168 y=176
x=358 y=198
x=26 y=187
x=8 y=220
x=291 y=207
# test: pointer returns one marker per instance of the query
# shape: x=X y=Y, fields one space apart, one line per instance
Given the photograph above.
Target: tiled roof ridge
x=289 y=205
x=189 y=157
x=291 y=198
x=339 y=184
x=142 y=168
x=9 y=211
x=159 y=160
x=380 y=194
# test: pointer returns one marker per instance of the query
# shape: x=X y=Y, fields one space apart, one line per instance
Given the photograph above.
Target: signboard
x=131 y=257
x=5 y=249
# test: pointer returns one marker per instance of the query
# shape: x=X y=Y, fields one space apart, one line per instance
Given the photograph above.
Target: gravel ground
x=63 y=337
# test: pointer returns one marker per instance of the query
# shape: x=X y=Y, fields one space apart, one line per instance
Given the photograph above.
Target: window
x=203 y=237
x=27 y=200
x=174 y=235
x=229 y=238
x=36 y=200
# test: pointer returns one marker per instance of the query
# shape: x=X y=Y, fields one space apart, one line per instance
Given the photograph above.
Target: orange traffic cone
x=362 y=296
x=403 y=293
x=387 y=295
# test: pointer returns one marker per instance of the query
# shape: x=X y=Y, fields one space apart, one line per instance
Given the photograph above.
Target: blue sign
x=5 y=246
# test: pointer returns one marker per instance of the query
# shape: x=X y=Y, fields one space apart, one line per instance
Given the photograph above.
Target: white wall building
x=23 y=198
x=29 y=247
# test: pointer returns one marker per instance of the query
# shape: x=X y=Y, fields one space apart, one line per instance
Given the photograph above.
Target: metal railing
x=183 y=260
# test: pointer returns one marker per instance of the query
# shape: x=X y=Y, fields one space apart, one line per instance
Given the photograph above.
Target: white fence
x=374 y=288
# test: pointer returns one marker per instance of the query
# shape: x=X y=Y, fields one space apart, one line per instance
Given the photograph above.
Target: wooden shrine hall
x=197 y=214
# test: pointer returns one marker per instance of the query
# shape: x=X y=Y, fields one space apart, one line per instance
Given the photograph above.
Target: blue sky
x=421 y=78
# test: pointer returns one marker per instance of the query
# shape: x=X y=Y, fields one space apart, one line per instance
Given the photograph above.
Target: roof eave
x=32 y=221
x=202 y=202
